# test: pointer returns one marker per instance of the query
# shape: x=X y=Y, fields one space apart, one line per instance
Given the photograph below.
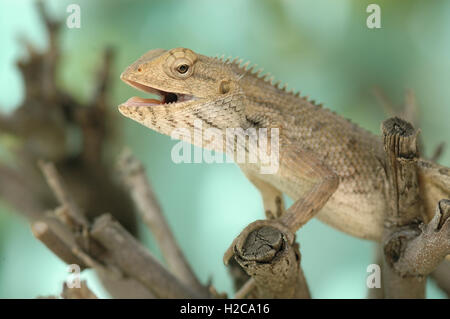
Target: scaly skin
x=223 y=94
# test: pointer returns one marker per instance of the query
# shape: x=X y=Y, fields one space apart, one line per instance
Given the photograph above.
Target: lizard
x=332 y=168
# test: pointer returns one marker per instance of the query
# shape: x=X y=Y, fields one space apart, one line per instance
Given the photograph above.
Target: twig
x=56 y=184
x=58 y=238
x=246 y=290
x=438 y=151
x=133 y=175
x=135 y=261
x=12 y=188
x=99 y=96
x=51 y=57
x=410 y=110
x=386 y=104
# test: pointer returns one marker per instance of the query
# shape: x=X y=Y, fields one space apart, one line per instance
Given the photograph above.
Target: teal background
x=322 y=47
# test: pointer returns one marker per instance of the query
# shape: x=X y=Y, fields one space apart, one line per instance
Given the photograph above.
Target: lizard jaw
x=164 y=97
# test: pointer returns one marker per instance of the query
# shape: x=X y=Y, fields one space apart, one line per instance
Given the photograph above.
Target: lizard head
x=188 y=87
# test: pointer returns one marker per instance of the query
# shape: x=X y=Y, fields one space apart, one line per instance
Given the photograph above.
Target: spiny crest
x=250 y=69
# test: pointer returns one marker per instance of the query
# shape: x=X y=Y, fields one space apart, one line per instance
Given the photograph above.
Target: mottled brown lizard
x=332 y=168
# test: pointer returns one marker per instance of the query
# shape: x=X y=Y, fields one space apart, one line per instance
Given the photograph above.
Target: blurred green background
x=322 y=47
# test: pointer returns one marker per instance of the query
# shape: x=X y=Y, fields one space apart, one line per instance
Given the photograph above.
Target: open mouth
x=163 y=96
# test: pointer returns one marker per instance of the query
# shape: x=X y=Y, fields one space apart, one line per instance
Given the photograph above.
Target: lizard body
x=321 y=153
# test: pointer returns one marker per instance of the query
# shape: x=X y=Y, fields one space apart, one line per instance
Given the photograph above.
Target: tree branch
x=135 y=261
x=268 y=253
x=412 y=249
x=58 y=238
x=57 y=185
x=134 y=177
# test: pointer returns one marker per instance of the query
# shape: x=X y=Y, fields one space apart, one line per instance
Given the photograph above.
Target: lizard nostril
x=139 y=70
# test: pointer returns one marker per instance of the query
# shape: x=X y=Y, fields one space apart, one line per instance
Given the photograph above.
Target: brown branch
x=135 y=261
x=58 y=238
x=99 y=97
x=405 y=211
x=134 y=177
x=57 y=185
x=438 y=151
x=124 y=256
x=12 y=187
x=385 y=103
x=412 y=249
x=65 y=232
x=408 y=111
x=61 y=240
x=268 y=253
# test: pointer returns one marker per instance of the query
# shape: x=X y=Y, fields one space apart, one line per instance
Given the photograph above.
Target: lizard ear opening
x=224 y=87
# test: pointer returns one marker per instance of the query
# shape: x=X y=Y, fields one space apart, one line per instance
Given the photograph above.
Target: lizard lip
x=164 y=97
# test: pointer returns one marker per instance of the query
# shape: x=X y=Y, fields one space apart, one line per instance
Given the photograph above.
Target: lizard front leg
x=272 y=198
x=301 y=169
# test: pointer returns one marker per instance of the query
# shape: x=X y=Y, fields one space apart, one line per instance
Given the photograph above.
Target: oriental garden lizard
x=330 y=167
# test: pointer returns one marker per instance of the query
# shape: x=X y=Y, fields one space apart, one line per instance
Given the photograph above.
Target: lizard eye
x=183 y=68
x=180 y=63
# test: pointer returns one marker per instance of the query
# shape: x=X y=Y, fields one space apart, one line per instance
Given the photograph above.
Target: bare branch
x=58 y=238
x=56 y=184
x=412 y=249
x=133 y=175
x=410 y=110
x=438 y=151
x=405 y=209
x=12 y=188
x=246 y=290
x=136 y=262
x=384 y=101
